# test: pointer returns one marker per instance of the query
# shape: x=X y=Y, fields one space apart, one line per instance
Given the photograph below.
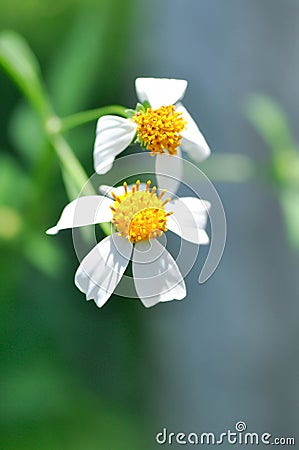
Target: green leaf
x=19 y=62
x=130 y=112
x=272 y=124
x=289 y=200
x=139 y=107
x=270 y=121
x=146 y=105
x=26 y=133
x=80 y=62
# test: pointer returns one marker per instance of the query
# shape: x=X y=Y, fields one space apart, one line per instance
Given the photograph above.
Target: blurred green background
x=76 y=377
x=70 y=377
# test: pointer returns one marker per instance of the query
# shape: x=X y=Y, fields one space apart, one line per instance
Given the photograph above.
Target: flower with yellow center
x=140 y=214
x=159 y=130
x=160 y=125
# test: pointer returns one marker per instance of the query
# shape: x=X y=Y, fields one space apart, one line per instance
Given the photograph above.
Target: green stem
x=71 y=164
x=72 y=168
x=75 y=120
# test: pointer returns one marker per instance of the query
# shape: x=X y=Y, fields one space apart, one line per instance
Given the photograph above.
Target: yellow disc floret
x=139 y=215
x=159 y=130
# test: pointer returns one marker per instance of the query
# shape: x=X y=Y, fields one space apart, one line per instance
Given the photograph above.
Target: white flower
x=163 y=126
x=139 y=215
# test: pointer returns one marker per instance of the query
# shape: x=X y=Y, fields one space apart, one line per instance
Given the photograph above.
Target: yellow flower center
x=139 y=215
x=159 y=130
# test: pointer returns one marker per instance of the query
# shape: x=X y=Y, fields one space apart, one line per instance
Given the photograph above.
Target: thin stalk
x=70 y=164
x=75 y=120
x=72 y=167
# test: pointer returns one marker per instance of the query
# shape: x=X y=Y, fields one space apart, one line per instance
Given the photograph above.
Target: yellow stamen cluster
x=159 y=130
x=139 y=215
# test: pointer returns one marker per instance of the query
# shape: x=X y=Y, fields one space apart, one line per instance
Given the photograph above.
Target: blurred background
x=77 y=377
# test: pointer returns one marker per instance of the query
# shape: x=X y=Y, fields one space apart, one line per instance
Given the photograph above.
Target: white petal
x=114 y=134
x=156 y=275
x=101 y=270
x=169 y=171
x=87 y=210
x=193 y=141
x=160 y=91
x=119 y=190
x=189 y=219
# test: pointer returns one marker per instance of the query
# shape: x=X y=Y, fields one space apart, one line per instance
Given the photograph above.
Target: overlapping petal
x=101 y=270
x=193 y=141
x=156 y=275
x=119 y=190
x=114 y=134
x=189 y=219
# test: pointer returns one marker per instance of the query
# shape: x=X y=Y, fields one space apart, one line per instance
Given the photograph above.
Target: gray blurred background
x=230 y=352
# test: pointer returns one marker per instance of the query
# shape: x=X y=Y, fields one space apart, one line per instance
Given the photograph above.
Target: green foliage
x=84 y=48
x=289 y=200
x=27 y=135
x=283 y=168
x=20 y=63
x=48 y=333
x=51 y=410
x=271 y=122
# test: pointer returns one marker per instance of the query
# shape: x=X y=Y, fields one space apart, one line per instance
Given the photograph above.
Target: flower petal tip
x=105 y=189
x=102 y=170
x=205 y=239
x=52 y=231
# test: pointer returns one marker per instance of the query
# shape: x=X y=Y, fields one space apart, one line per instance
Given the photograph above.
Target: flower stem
x=75 y=177
x=75 y=120
x=70 y=164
